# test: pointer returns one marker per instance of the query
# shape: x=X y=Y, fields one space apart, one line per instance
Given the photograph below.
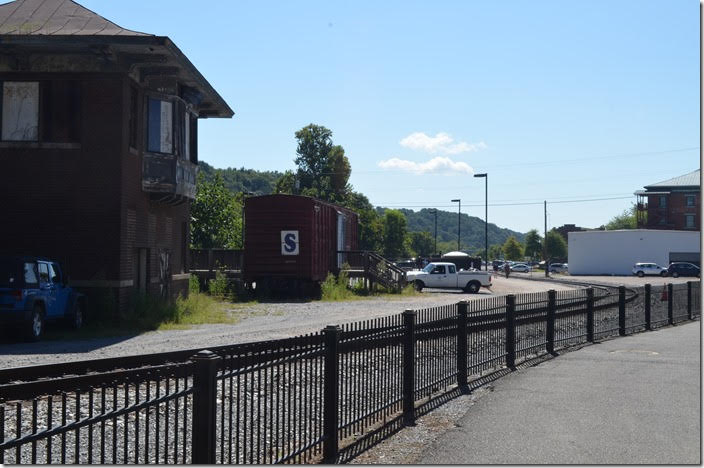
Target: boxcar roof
x=283 y=196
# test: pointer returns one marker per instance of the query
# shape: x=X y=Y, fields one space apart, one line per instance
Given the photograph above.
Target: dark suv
x=33 y=291
x=682 y=269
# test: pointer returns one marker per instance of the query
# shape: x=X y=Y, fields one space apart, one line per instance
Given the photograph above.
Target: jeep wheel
x=418 y=285
x=35 y=327
x=640 y=274
x=77 y=316
x=472 y=287
x=675 y=274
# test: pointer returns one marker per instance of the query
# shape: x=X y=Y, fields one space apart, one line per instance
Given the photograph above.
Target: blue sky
x=556 y=100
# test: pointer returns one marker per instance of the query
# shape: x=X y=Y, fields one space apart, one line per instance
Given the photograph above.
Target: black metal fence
x=319 y=397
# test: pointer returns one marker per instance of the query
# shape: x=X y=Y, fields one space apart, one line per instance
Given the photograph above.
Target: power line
x=508 y=204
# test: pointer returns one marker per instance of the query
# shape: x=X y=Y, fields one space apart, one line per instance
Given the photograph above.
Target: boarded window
x=20 y=110
x=160 y=126
x=61 y=106
x=663 y=201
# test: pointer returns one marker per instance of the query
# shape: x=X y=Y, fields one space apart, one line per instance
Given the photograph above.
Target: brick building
x=98 y=147
x=673 y=204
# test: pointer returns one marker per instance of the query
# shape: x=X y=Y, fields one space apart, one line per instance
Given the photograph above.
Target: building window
x=47 y=111
x=20 y=111
x=160 y=134
x=690 y=200
x=134 y=116
x=689 y=221
x=663 y=201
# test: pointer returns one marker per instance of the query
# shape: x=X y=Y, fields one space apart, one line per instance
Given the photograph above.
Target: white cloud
x=437 y=165
x=441 y=143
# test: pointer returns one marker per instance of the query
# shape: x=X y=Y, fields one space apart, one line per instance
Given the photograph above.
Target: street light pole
x=486 y=218
x=459 y=211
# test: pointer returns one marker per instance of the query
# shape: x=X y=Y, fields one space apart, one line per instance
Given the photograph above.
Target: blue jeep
x=33 y=291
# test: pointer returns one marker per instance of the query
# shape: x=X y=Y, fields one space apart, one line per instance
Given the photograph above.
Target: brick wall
x=673 y=216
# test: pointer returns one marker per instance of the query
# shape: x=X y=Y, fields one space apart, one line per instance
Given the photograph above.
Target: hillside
x=471 y=228
x=243 y=180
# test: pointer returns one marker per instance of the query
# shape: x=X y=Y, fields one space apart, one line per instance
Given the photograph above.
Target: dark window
x=689 y=221
x=193 y=140
x=134 y=116
x=438 y=270
x=690 y=200
x=451 y=269
x=61 y=116
x=663 y=201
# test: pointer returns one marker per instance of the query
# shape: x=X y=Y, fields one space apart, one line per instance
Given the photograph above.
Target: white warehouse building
x=615 y=252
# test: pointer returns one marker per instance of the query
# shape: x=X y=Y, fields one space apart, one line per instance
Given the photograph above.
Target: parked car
x=445 y=275
x=33 y=291
x=558 y=268
x=642 y=269
x=520 y=267
x=682 y=269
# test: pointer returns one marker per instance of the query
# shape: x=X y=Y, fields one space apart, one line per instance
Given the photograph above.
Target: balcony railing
x=169 y=178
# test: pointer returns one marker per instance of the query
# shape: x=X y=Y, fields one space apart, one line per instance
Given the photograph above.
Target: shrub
x=193 y=284
x=219 y=286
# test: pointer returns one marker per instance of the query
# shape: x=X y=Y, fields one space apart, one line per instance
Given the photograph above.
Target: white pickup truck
x=445 y=275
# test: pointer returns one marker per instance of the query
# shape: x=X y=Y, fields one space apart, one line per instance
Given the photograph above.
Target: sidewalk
x=627 y=400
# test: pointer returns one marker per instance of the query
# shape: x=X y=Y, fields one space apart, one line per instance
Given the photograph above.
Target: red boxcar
x=291 y=241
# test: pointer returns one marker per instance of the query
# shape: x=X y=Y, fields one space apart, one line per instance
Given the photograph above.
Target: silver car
x=643 y=269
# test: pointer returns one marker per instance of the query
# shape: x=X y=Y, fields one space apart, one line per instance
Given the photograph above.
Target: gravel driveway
x=264 y=321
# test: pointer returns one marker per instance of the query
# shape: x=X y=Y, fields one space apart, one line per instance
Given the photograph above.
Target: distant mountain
x=471 y=228
x=243 y=180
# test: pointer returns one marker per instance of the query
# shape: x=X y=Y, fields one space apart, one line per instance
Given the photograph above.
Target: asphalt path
x=630 y=400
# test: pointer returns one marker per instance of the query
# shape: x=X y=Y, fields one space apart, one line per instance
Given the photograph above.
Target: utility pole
x=545 y=240
x=486 y=218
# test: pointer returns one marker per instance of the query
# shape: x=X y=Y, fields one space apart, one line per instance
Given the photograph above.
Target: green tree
x=323 y=169
x=555 y=245
x=626 y=220
x=216 y=216
x=421 y=243
x=496 y=251
x=534 y=244
x=394 y=235
x=513 y=249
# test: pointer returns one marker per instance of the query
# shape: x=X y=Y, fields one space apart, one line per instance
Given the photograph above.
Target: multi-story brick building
x=673 y=204
x=98 y=147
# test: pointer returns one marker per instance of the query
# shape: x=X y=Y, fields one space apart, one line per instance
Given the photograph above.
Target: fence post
x=648 y=324
x=590 y=315
x=409 y=368
x=462 y=345
x=670 y=315
x=550 y=325
x=510 y=331
x=689 y=300
x=204 y=398
x=622 y=310
x=330 y=393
